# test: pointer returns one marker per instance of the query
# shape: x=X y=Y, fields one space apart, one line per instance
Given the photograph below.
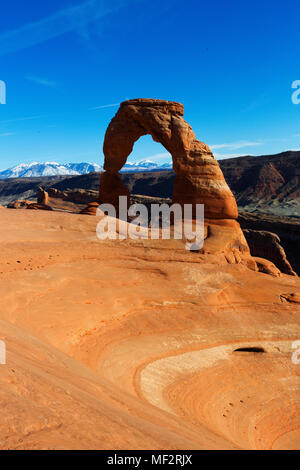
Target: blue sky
x=67 y=64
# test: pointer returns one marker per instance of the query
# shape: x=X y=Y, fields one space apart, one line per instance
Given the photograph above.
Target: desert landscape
x=142 y=344
x=149 y=231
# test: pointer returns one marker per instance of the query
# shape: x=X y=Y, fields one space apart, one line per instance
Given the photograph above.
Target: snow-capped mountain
x=36 y=169
x=30 y=170
x=145 y=165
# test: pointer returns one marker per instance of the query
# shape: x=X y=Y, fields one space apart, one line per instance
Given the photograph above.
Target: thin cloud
x=104 y=106
x=6 y=134
x=223 y=156
x=41 y=81
x=29 y=118
x=235 y=145
x=63 y=21
x=258 y=102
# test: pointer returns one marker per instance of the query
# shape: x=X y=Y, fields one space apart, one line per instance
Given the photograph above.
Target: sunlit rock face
x=199 y=179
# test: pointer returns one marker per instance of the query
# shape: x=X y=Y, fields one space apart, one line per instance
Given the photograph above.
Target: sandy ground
x=131 y=345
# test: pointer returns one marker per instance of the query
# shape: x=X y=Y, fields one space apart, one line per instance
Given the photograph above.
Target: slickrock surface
x=138 y=345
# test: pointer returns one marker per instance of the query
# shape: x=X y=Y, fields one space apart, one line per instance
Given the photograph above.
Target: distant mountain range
x=265 y=184
x=36 y=169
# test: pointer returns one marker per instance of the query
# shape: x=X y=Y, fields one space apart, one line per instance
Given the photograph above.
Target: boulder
x=42 y=196
x=21 y=204
x=267 y=267
x=267 y=245
x=39 y=207
x=90 y=209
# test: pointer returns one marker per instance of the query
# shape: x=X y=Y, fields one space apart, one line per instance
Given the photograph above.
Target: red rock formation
x=293 y=297
x=91 y=209
x=28 y=205
x=267 y=245
x=39 y=207
x=77 y=195
x=19 y=204
x=42 y=196
x=287 y=229
x=111 y=187
x=267 y=267
x=199 y=179
x=267 y=183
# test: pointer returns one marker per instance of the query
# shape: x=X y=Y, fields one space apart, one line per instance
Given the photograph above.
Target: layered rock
x=111 y=188
x=39 y=207
x=77 y=195
x=269 y=184
x=29 y=205
x=42 y=196
x=265 y=244
x=90 y=209
x=199 y=179
x=21 y=204
x=287 y=229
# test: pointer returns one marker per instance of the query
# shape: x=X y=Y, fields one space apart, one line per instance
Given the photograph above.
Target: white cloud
x=223 y=156
x=29 y=118
x=105 y=106
x=69 y=19
x=235 y=145
x=41 y=81
x=6 y=134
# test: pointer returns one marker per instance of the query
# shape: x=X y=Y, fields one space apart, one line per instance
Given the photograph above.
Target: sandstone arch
x=199 y=178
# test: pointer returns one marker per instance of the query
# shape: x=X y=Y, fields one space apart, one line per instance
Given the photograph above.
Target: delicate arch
x=199 y=179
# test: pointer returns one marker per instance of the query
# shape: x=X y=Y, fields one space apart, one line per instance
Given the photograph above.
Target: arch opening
x=154 y=165
x=198 y=180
